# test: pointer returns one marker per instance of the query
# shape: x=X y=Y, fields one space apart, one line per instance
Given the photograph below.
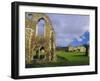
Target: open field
x=65 y=59
x=74 y=58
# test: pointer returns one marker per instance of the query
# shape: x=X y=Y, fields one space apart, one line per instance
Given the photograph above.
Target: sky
x=82 y=40
x=67 y=27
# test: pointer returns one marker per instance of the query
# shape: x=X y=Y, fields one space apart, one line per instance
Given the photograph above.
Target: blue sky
x=82 y=40
x=67 y=27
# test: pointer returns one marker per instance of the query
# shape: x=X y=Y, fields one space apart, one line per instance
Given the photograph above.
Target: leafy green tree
x=87 y=49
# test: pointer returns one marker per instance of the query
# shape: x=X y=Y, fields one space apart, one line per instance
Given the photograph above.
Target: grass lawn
x=65 y=59
x=74 y=58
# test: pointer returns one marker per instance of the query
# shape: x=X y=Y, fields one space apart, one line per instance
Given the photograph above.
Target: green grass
x=74 y=58
x=65 y=59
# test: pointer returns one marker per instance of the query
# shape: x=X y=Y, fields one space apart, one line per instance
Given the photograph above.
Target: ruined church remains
x=39 y=49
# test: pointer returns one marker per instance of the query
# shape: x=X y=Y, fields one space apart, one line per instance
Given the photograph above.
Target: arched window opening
x=41 y=27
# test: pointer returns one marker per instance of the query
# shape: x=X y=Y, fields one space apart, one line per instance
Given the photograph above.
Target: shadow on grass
x=60 y=62
x=81 y=55
x=63 y=59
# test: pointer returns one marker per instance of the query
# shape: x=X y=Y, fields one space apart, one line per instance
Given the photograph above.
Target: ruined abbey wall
x=34 y=43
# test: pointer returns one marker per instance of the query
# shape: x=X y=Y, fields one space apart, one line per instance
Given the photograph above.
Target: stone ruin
x=39 y=49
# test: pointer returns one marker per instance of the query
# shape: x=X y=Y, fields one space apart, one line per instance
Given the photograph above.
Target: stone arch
x=48 y=41
x=38 y=27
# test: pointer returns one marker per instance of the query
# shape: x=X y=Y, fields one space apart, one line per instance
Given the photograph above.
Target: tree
x=67 y=48
x=87 y=49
